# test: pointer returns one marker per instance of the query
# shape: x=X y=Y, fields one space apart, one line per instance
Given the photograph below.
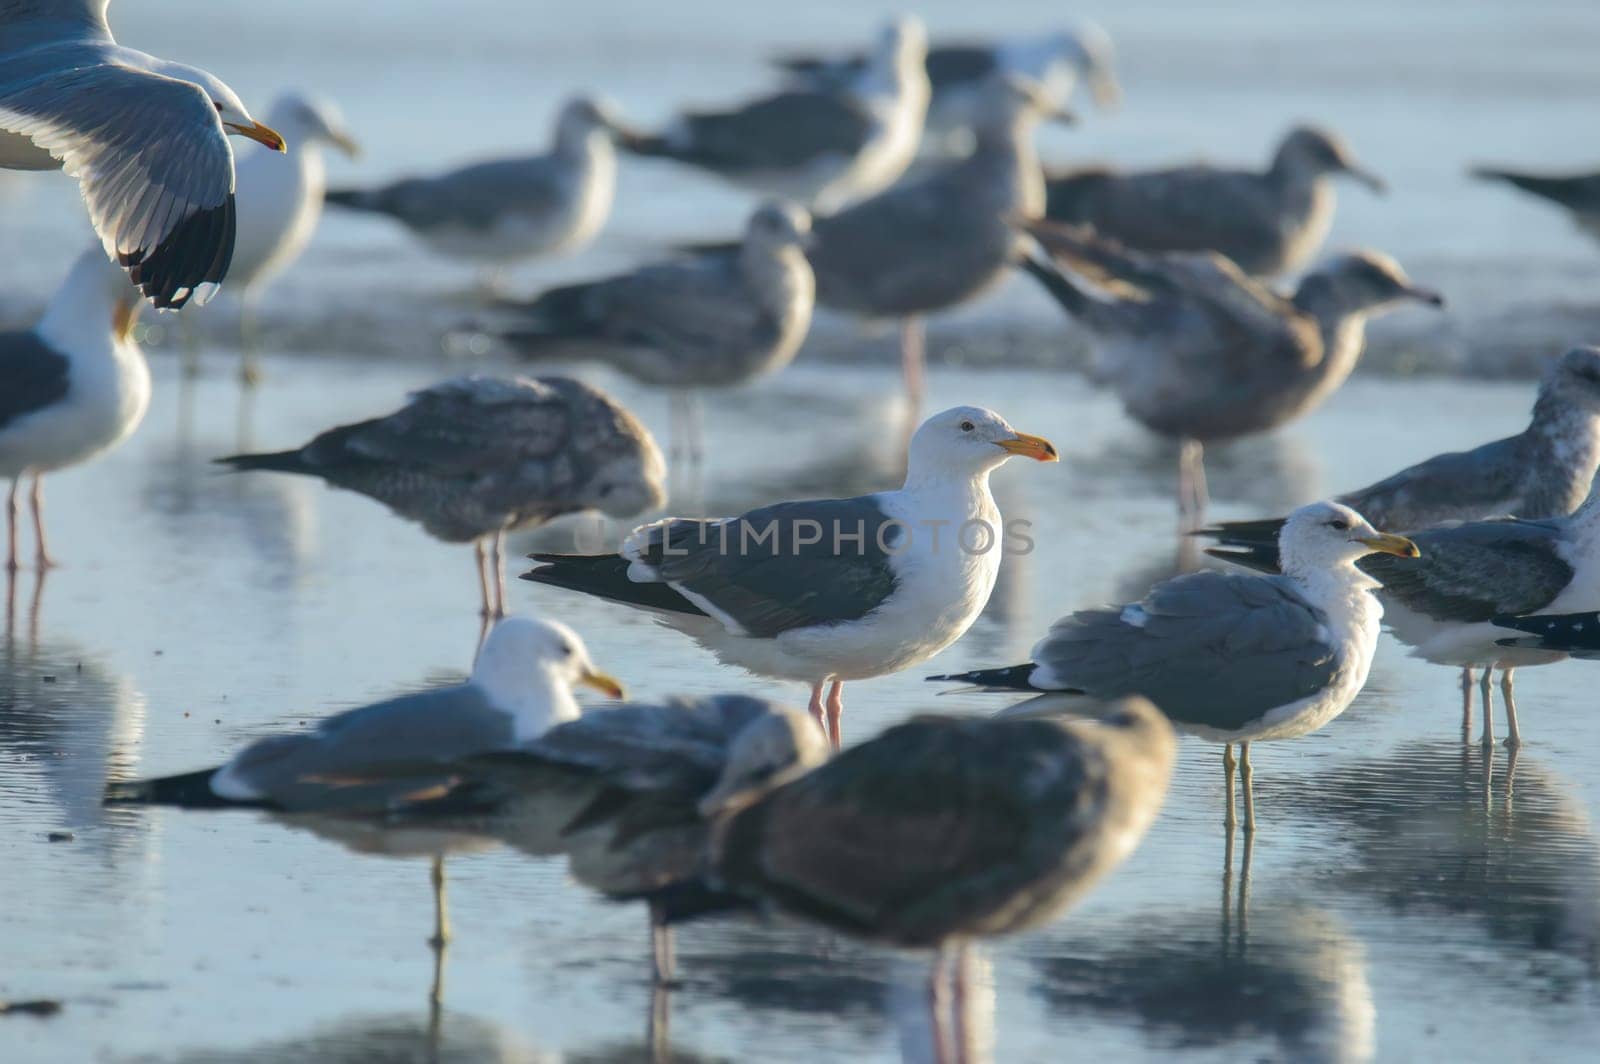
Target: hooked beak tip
x=1029 y=446
x=606 y=685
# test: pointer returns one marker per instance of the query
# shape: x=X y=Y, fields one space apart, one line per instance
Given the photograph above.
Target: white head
x=967 y=441
x=902 y=44
x=230 y=109
x=304 y=119
x=771 y=750
x=1089 y=50
x=95 y=297
x=1324 y=536
x=529 y=668
x=582 y=116
x=1008 y=102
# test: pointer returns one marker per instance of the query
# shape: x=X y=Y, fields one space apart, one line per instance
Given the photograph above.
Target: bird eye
x=967 y=426
x=566 y=650
x=217 y=105
x=1339 y=524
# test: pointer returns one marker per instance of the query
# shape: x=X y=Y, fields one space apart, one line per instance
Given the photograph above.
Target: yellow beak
x=1399 y=546
x=602 y=683
x=124 y=314
x=260 y=134
x=1036 y=447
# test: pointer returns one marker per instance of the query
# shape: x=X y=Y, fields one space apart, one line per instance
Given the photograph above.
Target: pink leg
x=815 y=705
x=911 y=357
x=835 y=711
x=41 y=547
x=498 y=552
x=11 y=531
x=485 y=593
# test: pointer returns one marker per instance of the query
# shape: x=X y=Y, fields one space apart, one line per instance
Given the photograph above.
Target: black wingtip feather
x=1009 y=678
x=606 y=576
x=196 y=253
x=192 y=790
x=276 y=462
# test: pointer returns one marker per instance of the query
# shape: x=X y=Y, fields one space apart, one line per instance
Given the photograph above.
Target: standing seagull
x=828 y=590
x=280 y=203
x=707 y=321
x=1579 y=194
x=1228 y=657
x=509 y=209
x=71 y=387
x=822 y=147
x=521 y=685
x=944 y=830
x=932 y=243
x=1199 y=352
x=475 y=457
x=1267 y=221
x=147 y=140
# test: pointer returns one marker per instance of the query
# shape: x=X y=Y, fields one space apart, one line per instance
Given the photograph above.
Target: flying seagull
x=1578 y=194
x=475 y=457
x=1267 y=221
x=146 y=138
x=1199 y=352
x=1231 y=658
x=521 y=685
x=828 y=590
x=72 y=387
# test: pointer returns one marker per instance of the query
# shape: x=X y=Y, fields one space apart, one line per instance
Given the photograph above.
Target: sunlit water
x=1408 y=899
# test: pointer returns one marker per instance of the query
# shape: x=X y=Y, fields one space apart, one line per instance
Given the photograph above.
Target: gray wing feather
x=786 y=130
x=683 y=307
x=32 y=375
x=477 y=196
x=1218 y=649
x=1459 y=485
x=1473 y=571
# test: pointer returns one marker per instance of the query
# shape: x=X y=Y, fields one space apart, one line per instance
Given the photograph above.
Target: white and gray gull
x=475 y=457
x=823 y=147
x=1229 y=657
x=1267 y=221
x=72 y=387
x=504 y=210
x=828 y=590
x=146 y=138
x=705 y=320
x=1199 y=352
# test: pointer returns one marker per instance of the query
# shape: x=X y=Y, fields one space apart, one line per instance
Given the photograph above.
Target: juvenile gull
x=828 y=590
x=504 y=210
x=146 y=138
x=705 y=321
x=944 y=830
x=957 y=70
x=1267 y=221
x=1579 y=194
x=71 y=387
x=821 y=147
x=521 y=685
x=475 y=457
x=1198 y=352
x=279 y=202
x=1230 y=658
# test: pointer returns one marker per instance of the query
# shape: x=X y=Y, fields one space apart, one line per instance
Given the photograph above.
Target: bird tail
x=606 y=576
x=679 y=903
x=1562 y=190
x=535 y=328
x=359 y=199
x=1010 y=678
x=192 y=790
x=276 y=462
x=1252 y=544
x=1063 y=289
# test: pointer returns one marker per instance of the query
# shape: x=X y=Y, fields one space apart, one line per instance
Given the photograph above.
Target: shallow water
x=1408 y=898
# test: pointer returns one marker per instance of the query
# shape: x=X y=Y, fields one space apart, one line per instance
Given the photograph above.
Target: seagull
x=706 y=321
x=509 y=209
x=828 y=590
x=937 y=241
x=957 y=70
x=1267 y=221
x=279 y=202
x=1199 y=352
x=1579 y=194
x=521 y=685
x=945 y=829
x=1229 y=657
x=821 y=147
x=475 y=457
x=146 y=138
x=1542 y=472
x=72 y=387
x=1577 y=634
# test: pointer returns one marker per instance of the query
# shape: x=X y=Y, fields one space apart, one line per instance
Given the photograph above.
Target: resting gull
x=1579 y=194
x=73 y=386
x=1231 y=658
x=822 y=147
x=509 y=209
x=146 y=138
x=710 y=320
x=1267 y=221
x=521 y=685
x=957 y=69
x=944 y=830
x=1199 y=352
x=828 y=590
x=279 y=202
x=475 y=457
x=1543 y=471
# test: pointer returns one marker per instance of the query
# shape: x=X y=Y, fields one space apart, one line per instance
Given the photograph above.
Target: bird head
x=771 y=750
x=307 y=119
x=1326 y=535
x=1315 y=151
